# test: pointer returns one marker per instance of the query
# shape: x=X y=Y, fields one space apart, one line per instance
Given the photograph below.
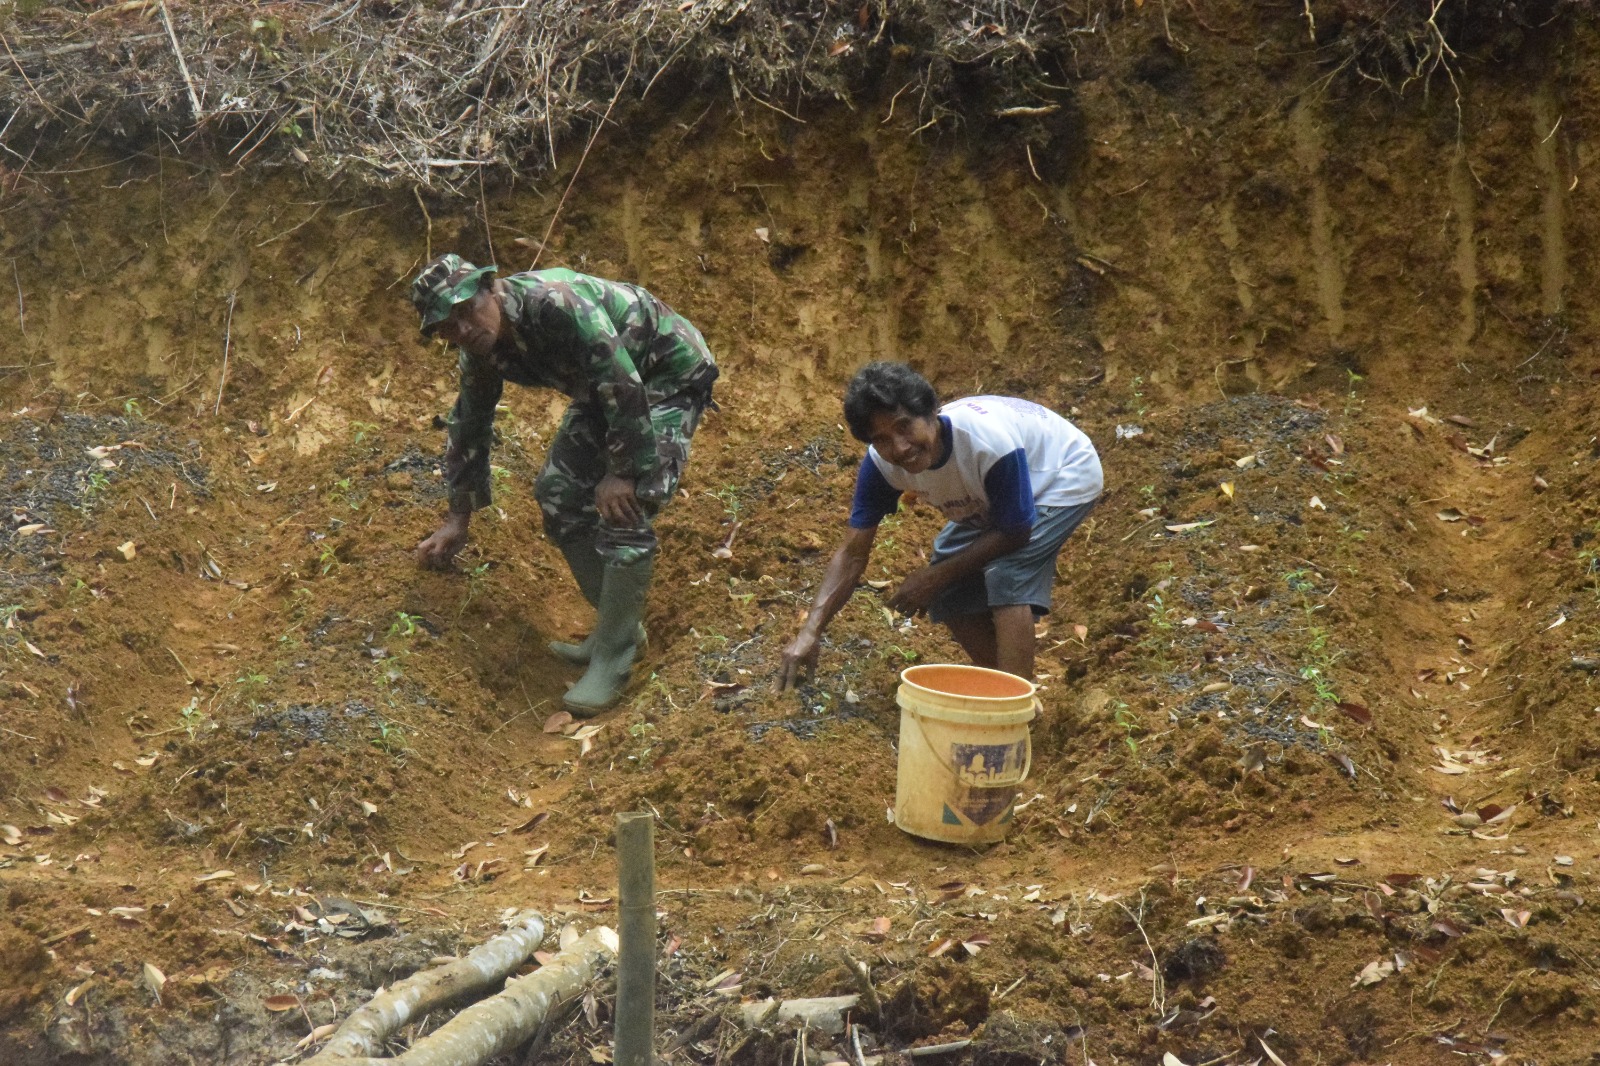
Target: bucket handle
x=1027 y=747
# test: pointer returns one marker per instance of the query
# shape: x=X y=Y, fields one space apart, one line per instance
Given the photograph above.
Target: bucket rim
x=1030 y=691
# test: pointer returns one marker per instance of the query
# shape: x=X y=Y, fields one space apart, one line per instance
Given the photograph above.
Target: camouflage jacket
x=600 y=342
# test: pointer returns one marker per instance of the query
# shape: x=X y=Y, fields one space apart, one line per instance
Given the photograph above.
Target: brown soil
x=1271 y=761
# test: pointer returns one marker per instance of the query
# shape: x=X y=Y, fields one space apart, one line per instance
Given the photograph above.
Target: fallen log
x=824 y=1015
x=485 y=1029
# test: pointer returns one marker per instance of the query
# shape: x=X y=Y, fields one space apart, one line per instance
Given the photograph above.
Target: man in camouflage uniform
x=640 y=377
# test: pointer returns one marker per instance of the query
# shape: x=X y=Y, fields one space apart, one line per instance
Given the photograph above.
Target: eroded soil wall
x=1338 y=609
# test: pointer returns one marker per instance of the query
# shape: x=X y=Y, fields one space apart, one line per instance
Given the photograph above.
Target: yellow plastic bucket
x=964 y=750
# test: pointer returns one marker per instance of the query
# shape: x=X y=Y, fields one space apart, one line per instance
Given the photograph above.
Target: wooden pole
x=636 y=936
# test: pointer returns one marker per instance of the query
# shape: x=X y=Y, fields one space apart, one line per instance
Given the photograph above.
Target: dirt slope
x=1318 y=772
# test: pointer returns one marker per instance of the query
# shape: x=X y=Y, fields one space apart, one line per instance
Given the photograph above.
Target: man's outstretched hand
x=799 y=661
x=438 y=551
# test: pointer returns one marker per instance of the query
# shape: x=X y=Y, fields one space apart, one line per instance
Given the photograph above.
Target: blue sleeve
x=875 y=498
x=1010 y=492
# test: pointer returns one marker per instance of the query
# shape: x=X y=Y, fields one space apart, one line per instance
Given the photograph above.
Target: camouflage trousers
x=577 y=462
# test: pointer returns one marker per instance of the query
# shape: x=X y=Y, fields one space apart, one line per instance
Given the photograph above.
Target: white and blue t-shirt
x=1002 y=458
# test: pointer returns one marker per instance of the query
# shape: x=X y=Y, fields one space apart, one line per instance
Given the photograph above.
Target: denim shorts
x=1027 y=575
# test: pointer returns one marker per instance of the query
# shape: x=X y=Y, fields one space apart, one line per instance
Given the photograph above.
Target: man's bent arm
x=839 y=583
x=471 y=425
x=985 y=549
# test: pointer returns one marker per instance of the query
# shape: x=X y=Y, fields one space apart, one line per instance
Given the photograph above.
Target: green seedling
x=1322 y=688
x=643 y=734
x=195 y=721
x=1122 y=715
x=710 y=639
x=391 y=738
x=405 y=625
x=730 y=499
x=94 y=484
x=1299 y=581
x=474 y=585
x=363 y=430
x=131 y=408
x=343 y=494
x=328 y=558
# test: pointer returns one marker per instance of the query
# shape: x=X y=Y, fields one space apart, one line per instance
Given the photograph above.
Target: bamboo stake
x=22 y=308
x=227 y=342
x=636 y=936
x=183 y=68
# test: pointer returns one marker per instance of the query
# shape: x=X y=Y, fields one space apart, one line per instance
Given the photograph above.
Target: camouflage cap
x=443 y=283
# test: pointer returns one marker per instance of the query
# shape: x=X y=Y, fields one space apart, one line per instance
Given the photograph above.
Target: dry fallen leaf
x=154 y=980
x=281 y=1002
x=1273 y=1055
x=556 y=721
x=1184 y=527
x=1246 y=462
x=1517 y=919
x=215 y=875
x=1373 y=972
x=11 y=835
x=1357 y=711
x=1227 y=489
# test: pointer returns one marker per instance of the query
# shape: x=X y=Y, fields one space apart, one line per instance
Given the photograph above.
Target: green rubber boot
x=589 y=571
x=615 y=639
x=579 y=654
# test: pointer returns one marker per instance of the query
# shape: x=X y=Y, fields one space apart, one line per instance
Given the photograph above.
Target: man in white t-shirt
x=1013 y=478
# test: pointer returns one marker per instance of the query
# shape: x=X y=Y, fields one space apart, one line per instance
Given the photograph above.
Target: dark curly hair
x=886 y=387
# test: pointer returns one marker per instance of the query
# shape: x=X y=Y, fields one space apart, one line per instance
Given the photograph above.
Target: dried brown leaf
x=1356 y=711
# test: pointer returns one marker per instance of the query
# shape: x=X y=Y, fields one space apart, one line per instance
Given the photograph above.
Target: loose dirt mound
x=1316 y=777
